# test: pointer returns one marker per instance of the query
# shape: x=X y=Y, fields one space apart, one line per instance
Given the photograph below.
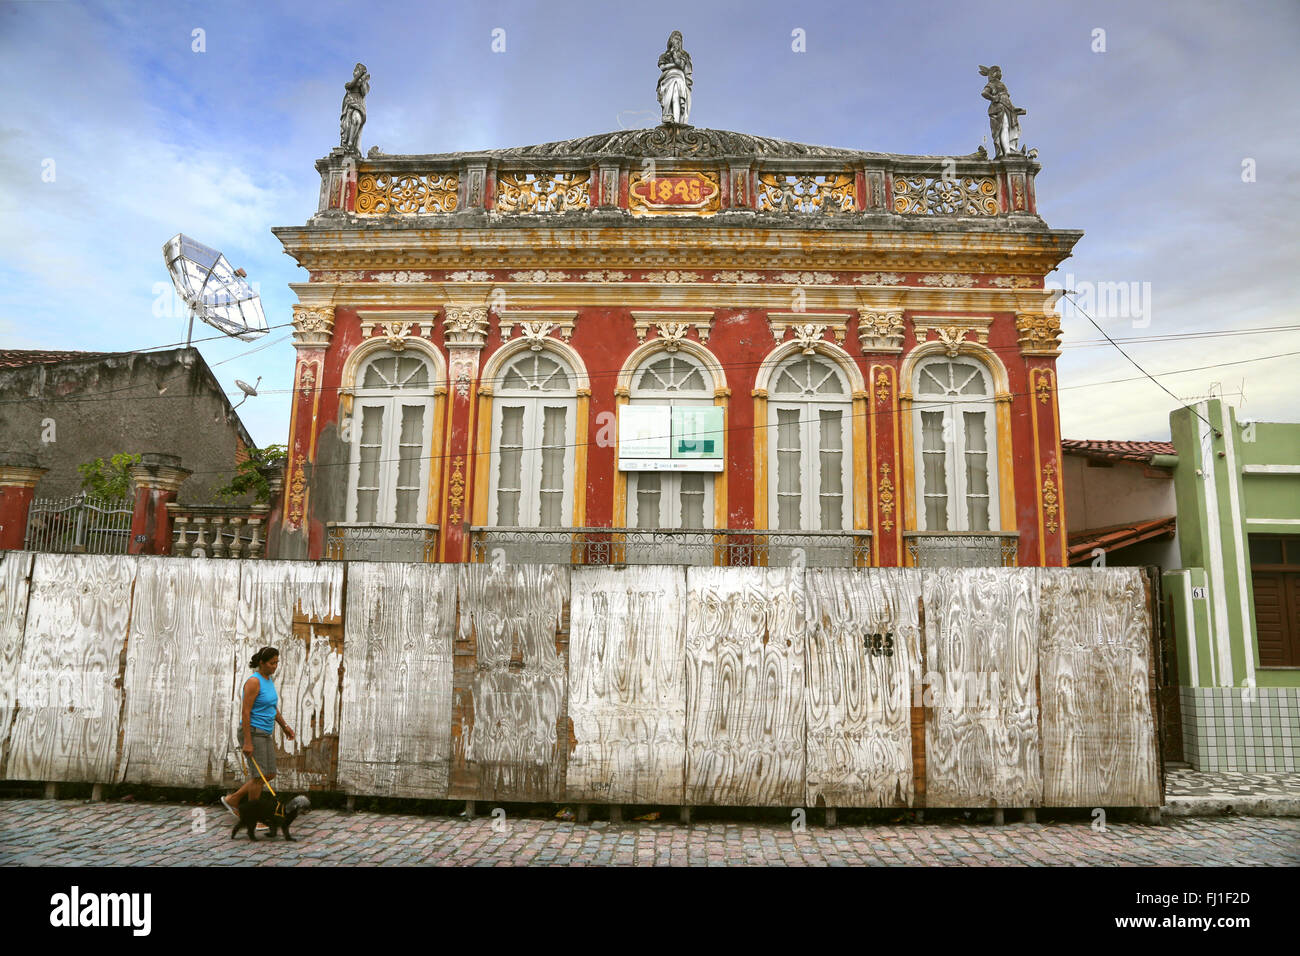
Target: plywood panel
x=745 y=635
x=66 y=720
x=510 y=736
x=394 y=737
x=297 y=608
x=627 y=685
x=982 y=737
x=178 y=664
x=15 y=581
x=860 y=686
x=1099 y=742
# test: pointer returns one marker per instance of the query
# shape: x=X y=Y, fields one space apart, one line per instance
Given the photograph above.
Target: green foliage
x=108 y=479
x=249 y=475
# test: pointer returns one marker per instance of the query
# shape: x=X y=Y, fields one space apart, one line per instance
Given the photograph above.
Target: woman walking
x=261 y=713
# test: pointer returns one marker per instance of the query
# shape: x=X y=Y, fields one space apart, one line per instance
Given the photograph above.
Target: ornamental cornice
x=672 y=326
x=808 y=327
x=537 y=324
x=664 y=299
x=952 y=330
x=313 y=326
x=878 y=254
x=20 y=477
x=396 y=326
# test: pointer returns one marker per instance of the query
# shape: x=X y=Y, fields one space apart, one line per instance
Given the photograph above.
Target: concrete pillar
x=18 y=478
x=157 y=480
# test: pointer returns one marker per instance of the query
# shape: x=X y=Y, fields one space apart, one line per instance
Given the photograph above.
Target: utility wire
x=916 y=405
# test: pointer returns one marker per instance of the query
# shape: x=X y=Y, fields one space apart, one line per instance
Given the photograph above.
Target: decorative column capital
x=159 y=472
x=313 y=326
x=20 y=471
x=465 y=326
x=880 y=330
x=1039 y=333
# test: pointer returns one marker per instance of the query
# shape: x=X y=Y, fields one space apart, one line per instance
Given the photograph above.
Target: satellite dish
x=213 y=291
x=250 y=391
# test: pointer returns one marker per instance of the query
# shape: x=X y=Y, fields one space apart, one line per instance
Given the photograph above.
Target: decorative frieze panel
x=940 y=196
x=880 y=331
x=381 y=194
x=522 y=193
x=313 y=325
x=672 y=326
x=818 y=193
x=809 y=327
x=536 y=326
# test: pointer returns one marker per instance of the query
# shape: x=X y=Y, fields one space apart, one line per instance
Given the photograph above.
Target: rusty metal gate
x=79 y=524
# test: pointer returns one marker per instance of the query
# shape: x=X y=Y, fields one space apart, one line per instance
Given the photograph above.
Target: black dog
x=253 y=812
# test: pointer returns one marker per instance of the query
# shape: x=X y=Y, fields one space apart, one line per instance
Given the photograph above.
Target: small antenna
x=250 y=391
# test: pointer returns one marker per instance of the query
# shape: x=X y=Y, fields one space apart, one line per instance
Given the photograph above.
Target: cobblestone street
x=75 y=833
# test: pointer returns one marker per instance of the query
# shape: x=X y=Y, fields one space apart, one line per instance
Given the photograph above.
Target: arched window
x=659 y=499
x=533 y=438
x=392 y=436
x=956 y=464
x=809 y=444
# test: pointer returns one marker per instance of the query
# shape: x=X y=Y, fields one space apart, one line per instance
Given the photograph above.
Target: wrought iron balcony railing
x=962 y=549
x=697 y=547
x=368 y=541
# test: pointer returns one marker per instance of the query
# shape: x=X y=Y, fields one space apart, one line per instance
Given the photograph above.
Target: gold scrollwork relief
x=381 y=194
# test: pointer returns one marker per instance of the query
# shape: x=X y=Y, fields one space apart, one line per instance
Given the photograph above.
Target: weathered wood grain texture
x=15 y=585
x=394 y=736
x=178 y=663
x=1099 y=741
x=982 y=737
x=627 y=685
x=510 y=731
x=297 y=608
x=859 y=695
x=745 y=633
x=67 y=711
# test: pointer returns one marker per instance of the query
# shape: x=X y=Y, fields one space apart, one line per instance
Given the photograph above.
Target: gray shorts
x=264 y=754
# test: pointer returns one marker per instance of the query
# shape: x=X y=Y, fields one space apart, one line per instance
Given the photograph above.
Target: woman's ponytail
x=265 y=654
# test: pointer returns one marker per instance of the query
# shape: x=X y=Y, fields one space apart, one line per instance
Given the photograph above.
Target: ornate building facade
x=849 y=356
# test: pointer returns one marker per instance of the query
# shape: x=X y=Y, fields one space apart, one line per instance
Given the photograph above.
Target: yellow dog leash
x=279 y=807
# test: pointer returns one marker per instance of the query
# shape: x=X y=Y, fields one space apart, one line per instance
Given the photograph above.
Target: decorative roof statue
x=353 y=115
x=674 y=87
x=1004 y=118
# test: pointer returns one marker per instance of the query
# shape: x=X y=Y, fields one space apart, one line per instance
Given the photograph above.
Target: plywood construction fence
x=855 y=687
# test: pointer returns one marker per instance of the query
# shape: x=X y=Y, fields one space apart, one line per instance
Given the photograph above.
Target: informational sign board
x=670 y=438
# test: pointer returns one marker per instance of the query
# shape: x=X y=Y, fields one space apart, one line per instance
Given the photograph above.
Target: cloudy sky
x=1170 y=137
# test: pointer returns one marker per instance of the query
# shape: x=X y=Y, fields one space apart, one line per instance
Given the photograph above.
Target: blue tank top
x=263 y=716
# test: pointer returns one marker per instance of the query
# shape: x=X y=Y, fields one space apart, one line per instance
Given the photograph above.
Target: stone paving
x=76 y=833
x=1185 y=782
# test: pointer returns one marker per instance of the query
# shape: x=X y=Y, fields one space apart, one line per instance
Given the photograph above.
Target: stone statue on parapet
x=353 y=115
x=674 y=87
x=1004 y=118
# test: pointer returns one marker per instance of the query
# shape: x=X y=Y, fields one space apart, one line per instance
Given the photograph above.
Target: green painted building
x=1235 y=601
